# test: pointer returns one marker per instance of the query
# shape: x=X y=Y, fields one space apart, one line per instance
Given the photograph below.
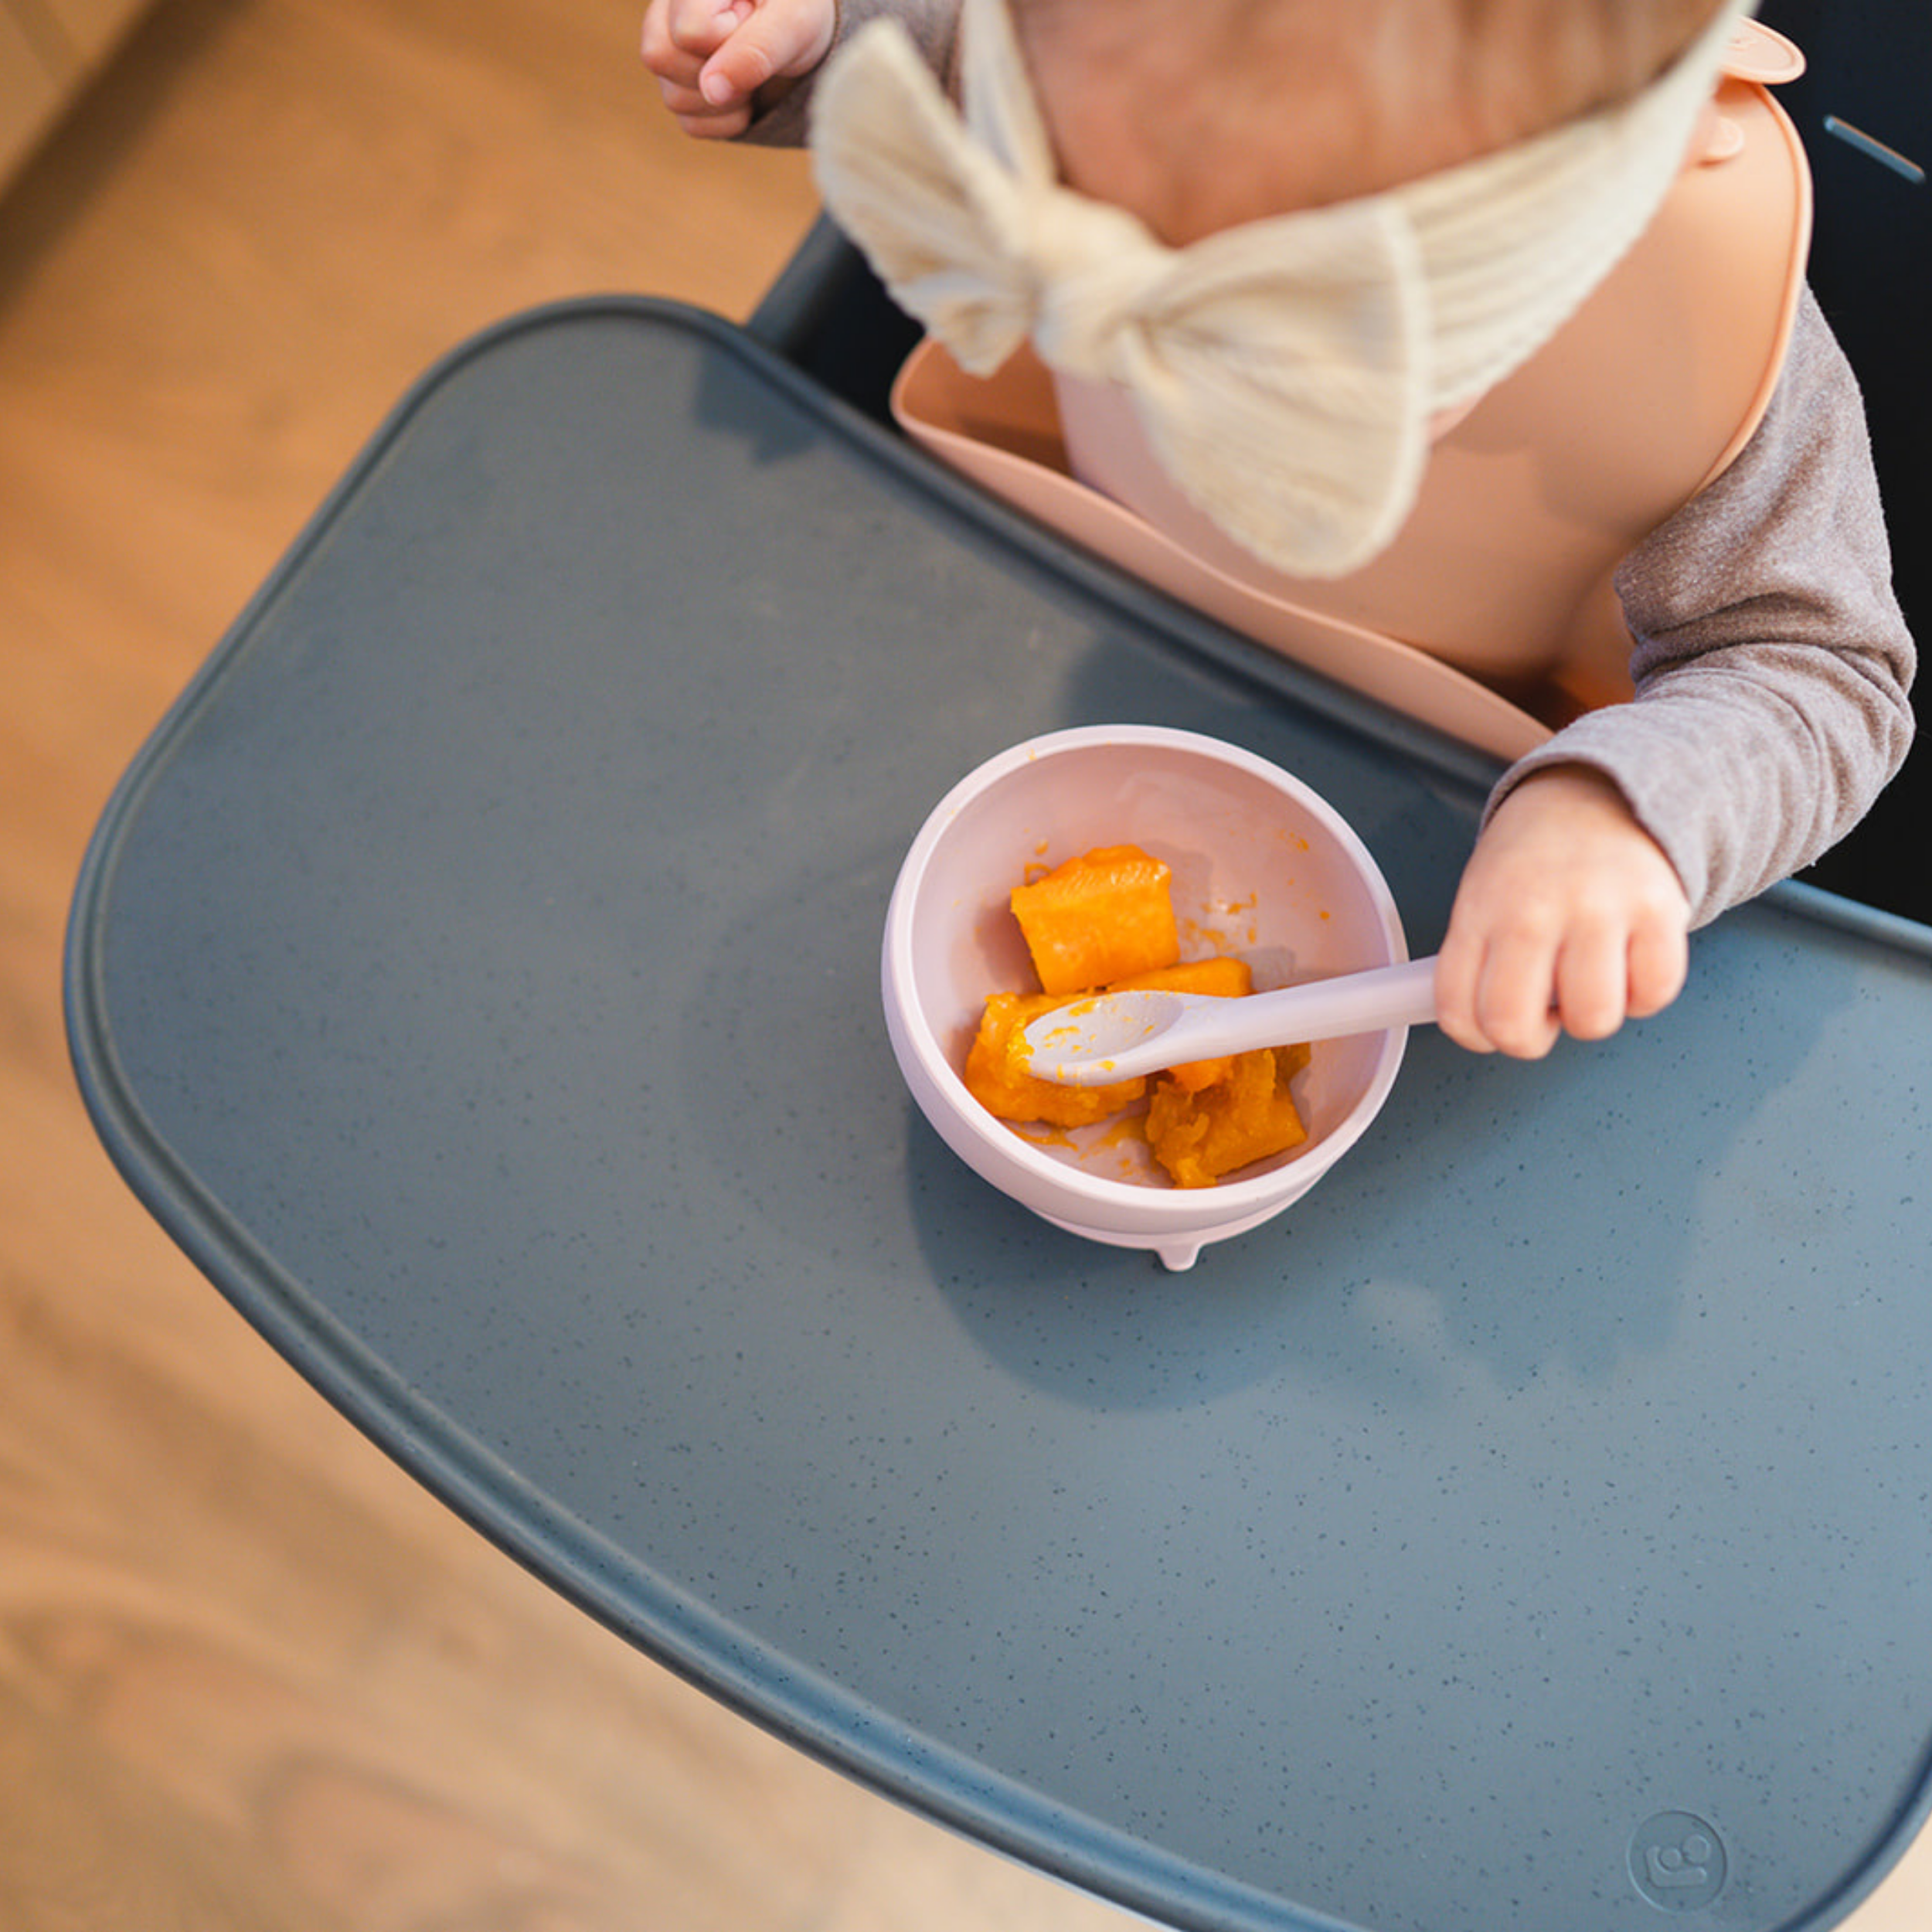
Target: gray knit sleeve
x=787 y=121
x=1772 y=663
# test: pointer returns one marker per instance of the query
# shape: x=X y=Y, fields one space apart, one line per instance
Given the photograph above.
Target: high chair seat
x=477 y=975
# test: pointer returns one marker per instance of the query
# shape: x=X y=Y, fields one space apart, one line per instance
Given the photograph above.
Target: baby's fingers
x=1516 y=994
x=1591 y=994
x=1659 y=965
x=681 y=35
x=1494 y=996
x=781 y=39
x=1515 y=1007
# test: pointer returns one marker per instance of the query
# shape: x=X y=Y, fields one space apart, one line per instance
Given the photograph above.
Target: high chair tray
x=477 y=975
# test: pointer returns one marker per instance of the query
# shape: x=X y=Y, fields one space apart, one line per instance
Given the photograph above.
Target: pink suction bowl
x=1262 y=867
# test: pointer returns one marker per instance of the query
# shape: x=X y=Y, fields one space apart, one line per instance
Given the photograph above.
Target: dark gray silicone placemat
x=478 y=976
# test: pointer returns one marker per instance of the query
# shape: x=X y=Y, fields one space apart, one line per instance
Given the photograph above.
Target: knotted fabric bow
x=1285 y=371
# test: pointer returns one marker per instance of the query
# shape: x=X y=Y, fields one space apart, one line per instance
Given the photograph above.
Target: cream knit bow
x=1285 y=371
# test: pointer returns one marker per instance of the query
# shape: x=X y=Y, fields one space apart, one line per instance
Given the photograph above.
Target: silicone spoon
x=1104 y=1037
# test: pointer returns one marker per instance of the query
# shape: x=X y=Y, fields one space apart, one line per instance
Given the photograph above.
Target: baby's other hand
x=1569 y=919
x=712 y=56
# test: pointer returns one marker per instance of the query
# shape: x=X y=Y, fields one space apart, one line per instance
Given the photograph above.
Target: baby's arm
x=712 y=57
x=1772 y=668
x=1569 y=919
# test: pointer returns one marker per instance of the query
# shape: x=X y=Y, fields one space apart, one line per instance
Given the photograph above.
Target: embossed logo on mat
x=1677 y=1861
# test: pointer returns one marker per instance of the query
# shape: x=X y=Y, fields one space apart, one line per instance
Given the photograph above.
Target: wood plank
x=89 y=28
x=249 y=1674
x=32 y=84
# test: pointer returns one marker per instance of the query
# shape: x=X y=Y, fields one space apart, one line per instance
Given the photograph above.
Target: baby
x=1772 y=666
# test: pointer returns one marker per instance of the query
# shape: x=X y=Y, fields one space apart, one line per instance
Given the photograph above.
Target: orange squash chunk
x=996 y=1074
x=1097 y=918
x=1199 y=1137
x=1224 y=978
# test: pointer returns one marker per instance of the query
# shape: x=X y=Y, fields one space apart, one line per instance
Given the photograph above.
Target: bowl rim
x=912 y=1029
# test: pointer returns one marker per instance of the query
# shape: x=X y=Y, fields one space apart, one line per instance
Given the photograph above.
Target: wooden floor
x=249 y=1676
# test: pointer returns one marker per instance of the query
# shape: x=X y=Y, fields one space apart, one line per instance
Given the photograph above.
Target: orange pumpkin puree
x=1104 y=922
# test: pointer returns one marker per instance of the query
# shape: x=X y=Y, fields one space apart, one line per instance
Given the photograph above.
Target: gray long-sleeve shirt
x=1772 y=664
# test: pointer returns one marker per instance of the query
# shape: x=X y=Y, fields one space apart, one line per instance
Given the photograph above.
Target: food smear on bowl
x=1216 y=938
x=1104 y=922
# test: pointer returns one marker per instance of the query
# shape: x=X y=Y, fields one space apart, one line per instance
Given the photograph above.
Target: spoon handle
x=1117 y=1036
x=1365 y=1002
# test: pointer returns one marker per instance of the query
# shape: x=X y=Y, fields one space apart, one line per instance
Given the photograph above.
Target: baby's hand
x=1569 y=919
x=712 y=56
